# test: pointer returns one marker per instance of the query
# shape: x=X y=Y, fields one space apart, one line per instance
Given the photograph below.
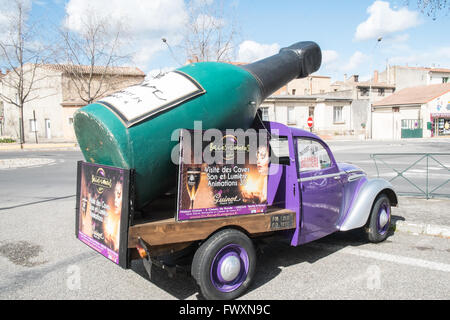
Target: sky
x=347 y=31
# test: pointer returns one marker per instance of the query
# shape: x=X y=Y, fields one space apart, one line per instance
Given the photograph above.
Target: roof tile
x=415 y=95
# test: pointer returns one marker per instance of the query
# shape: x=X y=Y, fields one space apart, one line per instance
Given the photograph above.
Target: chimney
x=194 y=59
x=375 y=76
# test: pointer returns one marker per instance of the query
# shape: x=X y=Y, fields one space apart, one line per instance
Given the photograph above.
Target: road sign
x=310 y=122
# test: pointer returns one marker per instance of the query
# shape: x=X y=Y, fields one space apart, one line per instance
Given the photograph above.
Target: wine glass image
x=192 y=183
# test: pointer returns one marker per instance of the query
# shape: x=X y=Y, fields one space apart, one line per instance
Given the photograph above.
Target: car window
x=279 y=146
x=312 y=156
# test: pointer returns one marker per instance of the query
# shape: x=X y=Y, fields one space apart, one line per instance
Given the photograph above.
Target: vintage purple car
x=308 y=196
x=331 y=196
x=326 y=197
x=315 y=196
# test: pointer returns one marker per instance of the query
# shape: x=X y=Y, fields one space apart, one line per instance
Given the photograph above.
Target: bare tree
x=20 y=56
x=432 y=7
x=211 y=32
x=90 y=54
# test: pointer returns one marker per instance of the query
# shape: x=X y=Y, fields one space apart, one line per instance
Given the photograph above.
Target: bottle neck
x=296 y=61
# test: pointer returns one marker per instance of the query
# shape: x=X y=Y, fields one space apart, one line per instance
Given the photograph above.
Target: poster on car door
x=102 y=209
x=223 y=177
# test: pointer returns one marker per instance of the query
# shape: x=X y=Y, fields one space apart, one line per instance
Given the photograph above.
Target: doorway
x=48 y=131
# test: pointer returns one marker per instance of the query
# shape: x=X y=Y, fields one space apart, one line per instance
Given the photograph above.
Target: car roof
x=284 y=130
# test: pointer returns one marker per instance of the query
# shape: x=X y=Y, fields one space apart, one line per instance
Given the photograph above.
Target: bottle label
x=139 y=102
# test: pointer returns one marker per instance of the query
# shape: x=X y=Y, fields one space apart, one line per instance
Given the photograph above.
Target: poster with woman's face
x=232 y=182
x=101 y=206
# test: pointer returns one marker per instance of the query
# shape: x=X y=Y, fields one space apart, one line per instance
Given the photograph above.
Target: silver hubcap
x=230 y=268
x=383 y=218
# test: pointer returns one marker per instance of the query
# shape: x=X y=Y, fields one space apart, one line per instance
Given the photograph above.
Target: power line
x=171 y=51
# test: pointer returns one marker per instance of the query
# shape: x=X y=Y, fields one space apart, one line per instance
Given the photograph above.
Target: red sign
x=310 y=122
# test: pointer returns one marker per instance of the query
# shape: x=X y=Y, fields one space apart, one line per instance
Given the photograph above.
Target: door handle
x=337 y=177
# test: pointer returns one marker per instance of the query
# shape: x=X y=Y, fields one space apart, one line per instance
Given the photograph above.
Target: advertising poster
x=102 y=209
x=308 y=155
x=234 y=184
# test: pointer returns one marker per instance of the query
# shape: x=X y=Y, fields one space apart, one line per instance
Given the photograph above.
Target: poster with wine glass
x=102 y=211
x=222 y=174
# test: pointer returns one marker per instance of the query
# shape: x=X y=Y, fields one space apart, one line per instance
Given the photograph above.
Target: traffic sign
x=310 y=122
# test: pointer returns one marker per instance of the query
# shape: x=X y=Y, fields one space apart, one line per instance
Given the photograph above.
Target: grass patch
x=7 y=140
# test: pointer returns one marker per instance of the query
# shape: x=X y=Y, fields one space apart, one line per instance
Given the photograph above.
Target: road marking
x=438 y=266
x=15 y=163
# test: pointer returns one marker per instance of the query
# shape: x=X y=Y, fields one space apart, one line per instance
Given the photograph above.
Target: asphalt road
x=41 y=259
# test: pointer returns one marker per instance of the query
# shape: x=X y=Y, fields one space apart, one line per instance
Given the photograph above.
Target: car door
x=321 y=189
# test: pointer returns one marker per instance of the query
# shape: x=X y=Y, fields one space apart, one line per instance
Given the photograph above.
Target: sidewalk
x=39 y=146
x=421 y=216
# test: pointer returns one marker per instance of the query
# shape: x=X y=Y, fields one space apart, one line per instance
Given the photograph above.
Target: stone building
x=56 y=94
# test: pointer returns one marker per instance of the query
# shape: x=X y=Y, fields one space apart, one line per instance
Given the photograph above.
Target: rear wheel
x=224 y=265
x=379 y=222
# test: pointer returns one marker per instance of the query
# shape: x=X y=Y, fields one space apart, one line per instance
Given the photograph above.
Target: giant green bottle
x=133 y=127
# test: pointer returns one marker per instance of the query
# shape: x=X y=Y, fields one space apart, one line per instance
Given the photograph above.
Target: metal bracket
x=149 y=262
x=148 y=266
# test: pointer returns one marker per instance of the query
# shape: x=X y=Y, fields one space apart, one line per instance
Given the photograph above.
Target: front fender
x=362 y=205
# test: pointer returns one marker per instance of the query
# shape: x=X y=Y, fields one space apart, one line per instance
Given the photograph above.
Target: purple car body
x=338 y=197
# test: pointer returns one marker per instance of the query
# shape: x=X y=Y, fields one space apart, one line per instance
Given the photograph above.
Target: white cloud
x=329 y=57
x=201 y=3
x=437 y=57
x=250 y=51
x=8 y=18
x=205 y=22
x=356 y=60
x=9 y=11
x=383 y=20
x=145 y=22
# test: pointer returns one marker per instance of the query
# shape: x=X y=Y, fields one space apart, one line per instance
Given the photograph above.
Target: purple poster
x=228 y=178
x=102 y=197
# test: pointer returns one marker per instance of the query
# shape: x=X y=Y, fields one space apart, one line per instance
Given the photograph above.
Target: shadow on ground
x=273 y=255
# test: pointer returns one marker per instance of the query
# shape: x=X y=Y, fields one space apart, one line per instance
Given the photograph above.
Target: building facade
x=48 y=112
x=331 y=115
x=415 y=112
x=405 y=76
x=313 y=84
x=339 y=108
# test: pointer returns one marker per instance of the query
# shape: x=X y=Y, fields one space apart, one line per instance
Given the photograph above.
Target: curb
x=422 y=228
x=16 y=147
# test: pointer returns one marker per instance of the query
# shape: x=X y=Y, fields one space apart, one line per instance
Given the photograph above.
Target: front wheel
x=224 y=265
x=377 y=226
